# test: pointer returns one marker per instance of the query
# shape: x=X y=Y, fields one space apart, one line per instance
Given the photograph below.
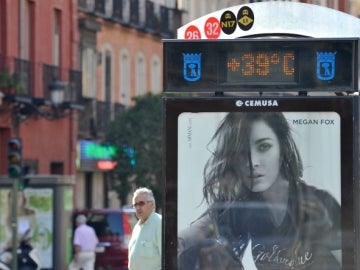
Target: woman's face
x=264 y=169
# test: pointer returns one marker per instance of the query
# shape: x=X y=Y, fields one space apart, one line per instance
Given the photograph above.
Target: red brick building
x=38 y=43
x=105 y=52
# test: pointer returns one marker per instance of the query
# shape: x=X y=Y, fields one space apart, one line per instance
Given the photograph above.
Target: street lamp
x=57 y=92
x=53 y=108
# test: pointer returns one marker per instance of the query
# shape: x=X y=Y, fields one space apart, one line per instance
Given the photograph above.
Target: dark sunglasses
x=141 y=204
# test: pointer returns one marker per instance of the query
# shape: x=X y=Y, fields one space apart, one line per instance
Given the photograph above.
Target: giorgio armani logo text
x=257 y=103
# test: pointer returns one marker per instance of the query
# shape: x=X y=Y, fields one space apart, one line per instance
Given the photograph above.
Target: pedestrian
x=256 y=197
x=145 y=243
x=85 y=241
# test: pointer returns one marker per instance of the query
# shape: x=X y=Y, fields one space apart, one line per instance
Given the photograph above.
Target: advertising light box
x=260 y=182
x=292 y=64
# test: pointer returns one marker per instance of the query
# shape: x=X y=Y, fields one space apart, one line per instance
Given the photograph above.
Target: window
x=182 y=4
x=57 y=167
x=140 y=74
x=126 y=11
x=26 y=28
x=156 y=79
x=125 y=77
x=2 y=25
x=89 y=64
x=56 y=37
x=108 y=75
x=109 y=7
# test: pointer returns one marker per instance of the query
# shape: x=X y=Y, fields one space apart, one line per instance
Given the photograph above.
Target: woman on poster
x=256 y=196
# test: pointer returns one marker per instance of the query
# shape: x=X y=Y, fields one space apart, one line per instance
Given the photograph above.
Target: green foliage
x=9 y=81
x=140 y=128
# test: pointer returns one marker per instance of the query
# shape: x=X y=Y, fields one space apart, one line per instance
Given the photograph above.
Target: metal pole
x=14 y=225
x=15 y=187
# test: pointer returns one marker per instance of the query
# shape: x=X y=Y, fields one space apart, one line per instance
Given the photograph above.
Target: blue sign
x=325 y=68
x=192 y=66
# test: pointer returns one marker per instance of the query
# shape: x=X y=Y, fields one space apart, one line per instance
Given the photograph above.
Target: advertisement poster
x=259 y=190
x=35 y=217
x=316 y=134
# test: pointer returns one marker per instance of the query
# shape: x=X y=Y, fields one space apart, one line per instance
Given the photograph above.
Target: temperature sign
x=235 y=65
x=262 y=66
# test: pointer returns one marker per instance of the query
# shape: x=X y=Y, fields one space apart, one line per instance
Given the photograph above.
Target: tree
x=137 y=133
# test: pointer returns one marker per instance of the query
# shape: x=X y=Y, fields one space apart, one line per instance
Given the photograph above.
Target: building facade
x=121 y=57
x=104 y=52
x=38 y=41
x=38 y=55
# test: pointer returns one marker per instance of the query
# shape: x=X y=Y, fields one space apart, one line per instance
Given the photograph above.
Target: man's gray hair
x=144 y=190
x=81 y=219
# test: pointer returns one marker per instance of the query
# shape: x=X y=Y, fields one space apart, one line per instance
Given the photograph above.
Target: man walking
x=85 y=241
x=145 y=243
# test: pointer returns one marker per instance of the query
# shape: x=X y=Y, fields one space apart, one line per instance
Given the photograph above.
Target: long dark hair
x=222 y=183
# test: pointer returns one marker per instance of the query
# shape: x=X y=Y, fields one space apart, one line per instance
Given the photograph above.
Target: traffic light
x=132 y=157
x=129 y=153
x=15 y=157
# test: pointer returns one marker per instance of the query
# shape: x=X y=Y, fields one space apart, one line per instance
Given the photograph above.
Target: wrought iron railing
x=24 y=74
x=103 y=116
x=146 y=16
x=27 y=78
x=76 y=85
x=86 y=123
x=71 y=78
x=96 y=116
x=86 y=5
x=118 y=109
x=100 y=7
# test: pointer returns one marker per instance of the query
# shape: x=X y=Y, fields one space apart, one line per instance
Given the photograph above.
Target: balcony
x=144 y=15
x=103 y=116
x=101 y=8
x=86 y=6
x=29 y=79
x=118 y=109
x=117 y=14
x=87 y=126
x=24 y=75
x=96 y=117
